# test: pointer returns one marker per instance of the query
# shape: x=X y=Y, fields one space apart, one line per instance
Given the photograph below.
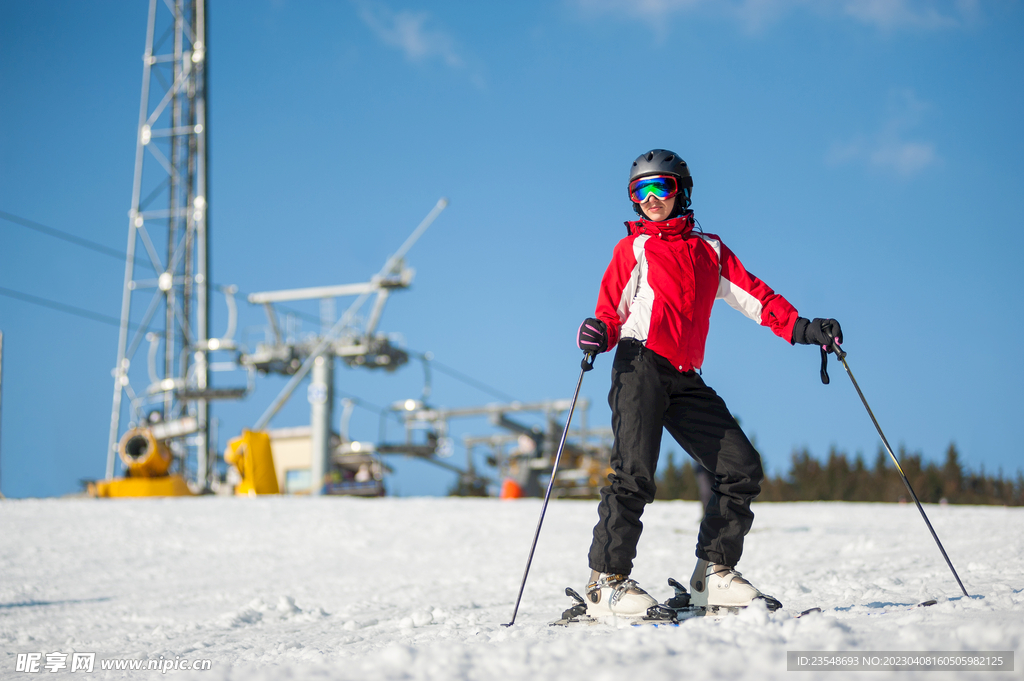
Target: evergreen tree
x=952 y=476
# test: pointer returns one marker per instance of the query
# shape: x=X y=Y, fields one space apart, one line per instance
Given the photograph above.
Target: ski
x=922 y=604
x=808 y=611
x=672 y=612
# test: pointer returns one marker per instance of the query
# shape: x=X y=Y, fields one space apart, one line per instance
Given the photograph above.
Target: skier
x=654 y=308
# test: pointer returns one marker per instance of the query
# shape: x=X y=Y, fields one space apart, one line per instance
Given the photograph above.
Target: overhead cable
x=112 y=252
x=69 y=309
x=70 y=238
x=454 y=373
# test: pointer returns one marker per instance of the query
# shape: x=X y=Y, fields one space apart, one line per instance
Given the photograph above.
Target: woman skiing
x=654 y=308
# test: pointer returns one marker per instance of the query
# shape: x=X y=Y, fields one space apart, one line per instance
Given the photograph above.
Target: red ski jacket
x=663 y=280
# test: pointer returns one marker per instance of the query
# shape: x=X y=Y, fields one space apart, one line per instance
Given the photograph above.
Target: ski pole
x=586 y=365
x=841 y=356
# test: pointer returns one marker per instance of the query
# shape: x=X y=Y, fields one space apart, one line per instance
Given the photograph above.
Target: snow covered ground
x=339 y=588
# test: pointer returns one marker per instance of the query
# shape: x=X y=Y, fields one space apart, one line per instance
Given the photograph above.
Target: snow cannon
x=143 y=455
x=146 y=460
x=250 y=454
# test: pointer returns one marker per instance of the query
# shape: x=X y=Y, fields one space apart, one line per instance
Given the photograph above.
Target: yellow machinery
x=147 y=461
x=251 y=455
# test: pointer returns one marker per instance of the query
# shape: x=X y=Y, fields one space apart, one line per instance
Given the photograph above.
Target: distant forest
x=839 y=479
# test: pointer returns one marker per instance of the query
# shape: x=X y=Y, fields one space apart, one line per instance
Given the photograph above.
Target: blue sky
x=864 y=158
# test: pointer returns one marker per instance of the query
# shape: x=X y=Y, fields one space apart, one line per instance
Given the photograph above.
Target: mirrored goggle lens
x=661 y=187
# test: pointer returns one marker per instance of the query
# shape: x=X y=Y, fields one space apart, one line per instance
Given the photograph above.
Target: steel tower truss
x=167 y=241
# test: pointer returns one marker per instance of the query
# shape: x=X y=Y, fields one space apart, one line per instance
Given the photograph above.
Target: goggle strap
x=681 y=181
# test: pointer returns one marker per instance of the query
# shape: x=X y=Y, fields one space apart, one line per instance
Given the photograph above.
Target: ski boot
x=716 y=587
x=617 y=595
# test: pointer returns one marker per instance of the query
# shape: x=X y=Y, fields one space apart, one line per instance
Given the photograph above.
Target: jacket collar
x=676 y=227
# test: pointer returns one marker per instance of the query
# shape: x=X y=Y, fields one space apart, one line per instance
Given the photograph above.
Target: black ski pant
x=648 y=393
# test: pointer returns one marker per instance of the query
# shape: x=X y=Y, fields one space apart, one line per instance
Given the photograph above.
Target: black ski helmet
x=664 y=162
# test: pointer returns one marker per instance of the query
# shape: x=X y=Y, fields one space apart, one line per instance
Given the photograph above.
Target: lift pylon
x=168 y=235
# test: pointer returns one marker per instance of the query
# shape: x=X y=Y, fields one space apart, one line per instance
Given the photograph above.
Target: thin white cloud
x=655 y=13
x=890 y=149
x=891 y=15
x=901 y=157
x=413 y=33
x=885 y=15
x=648 y=9
x=906 y=158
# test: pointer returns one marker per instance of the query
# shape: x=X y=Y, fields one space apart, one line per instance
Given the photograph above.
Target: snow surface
x=341 y=588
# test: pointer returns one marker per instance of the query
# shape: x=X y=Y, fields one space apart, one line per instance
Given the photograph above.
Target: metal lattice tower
x=168 y=229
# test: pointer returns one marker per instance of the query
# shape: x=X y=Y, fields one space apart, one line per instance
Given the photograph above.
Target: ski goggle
x=660 y=186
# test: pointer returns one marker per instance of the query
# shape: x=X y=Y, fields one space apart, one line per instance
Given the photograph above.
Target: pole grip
x=588 y=362
x=839 y=352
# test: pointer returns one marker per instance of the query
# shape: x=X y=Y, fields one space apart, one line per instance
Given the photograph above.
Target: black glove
x=817 y=332
x=592 y=336
x=825 y=333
